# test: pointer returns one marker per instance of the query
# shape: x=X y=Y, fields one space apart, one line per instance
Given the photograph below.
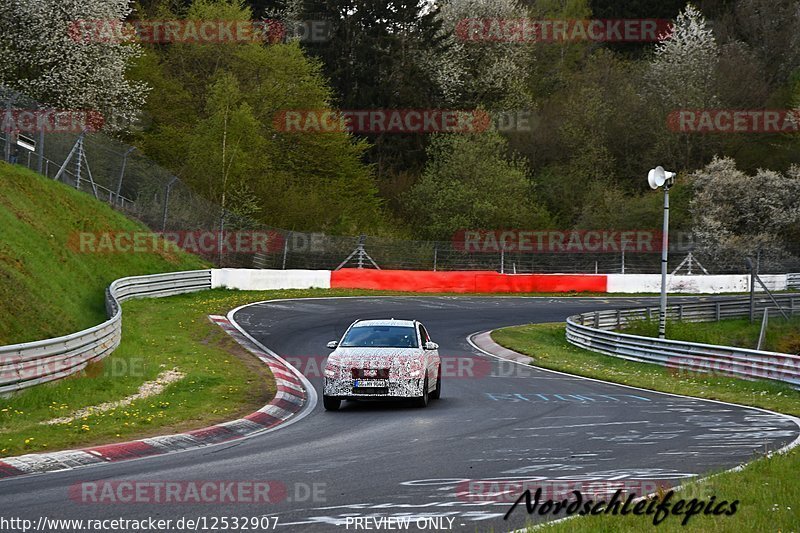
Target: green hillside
x=48 y=287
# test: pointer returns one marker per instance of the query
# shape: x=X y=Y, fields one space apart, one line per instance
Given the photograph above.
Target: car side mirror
x=333 y=344
x=431 y=346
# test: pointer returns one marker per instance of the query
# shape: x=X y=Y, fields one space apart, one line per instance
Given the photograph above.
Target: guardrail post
x=717 y=312
x=680 y=311
x=597 y=319
x=619 y=318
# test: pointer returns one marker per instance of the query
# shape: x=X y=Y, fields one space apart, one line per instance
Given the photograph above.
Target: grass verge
x=223 y=381
x=768 y=488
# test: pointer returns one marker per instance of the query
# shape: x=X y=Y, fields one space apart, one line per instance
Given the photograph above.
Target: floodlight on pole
x=658 y=177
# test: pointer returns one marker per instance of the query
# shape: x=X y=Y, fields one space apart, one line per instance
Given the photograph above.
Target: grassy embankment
x=50 y=287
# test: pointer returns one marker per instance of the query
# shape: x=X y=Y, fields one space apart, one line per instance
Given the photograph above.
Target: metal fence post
x=286 y=249
x=122 y=172
x=78 y=164
x=166 y=203
x=435 y=256
x=40 y=151
x=763 y=331
x=219 y=237
x=7 y=148
x=752 y=289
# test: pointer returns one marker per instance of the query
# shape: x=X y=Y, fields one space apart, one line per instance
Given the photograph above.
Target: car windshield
x=380 y=337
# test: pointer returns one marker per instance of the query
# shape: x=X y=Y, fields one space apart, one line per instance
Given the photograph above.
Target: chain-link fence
x=126 y=179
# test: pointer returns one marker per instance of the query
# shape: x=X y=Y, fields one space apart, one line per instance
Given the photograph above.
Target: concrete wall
x=631 y=283
x=248 y=279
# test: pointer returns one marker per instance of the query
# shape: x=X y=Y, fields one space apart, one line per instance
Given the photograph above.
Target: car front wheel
x=437 y=392
x=422 y=401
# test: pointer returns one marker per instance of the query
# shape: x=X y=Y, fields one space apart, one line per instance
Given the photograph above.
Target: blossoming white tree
x=683 y=70
x=42 y=57
x=471 y=69
x=735 y=215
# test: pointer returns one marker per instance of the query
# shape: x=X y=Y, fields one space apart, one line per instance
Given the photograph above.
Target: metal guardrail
x=793 y=281
x=595 y=331
x=32 y=363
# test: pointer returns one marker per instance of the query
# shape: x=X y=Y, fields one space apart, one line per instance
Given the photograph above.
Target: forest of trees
x=597 y=113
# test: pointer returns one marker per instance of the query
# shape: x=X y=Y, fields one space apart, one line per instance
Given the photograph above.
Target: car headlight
x=415 y=373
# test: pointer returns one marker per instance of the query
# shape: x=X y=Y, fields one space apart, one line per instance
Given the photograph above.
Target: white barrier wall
x=774 y=282
x=631 y=283
x=251 y=279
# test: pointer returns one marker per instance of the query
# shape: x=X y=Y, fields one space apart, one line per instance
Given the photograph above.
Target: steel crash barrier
x=597 y=331
x=31 y=363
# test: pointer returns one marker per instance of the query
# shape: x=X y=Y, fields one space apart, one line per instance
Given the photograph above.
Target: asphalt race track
x=496 y=420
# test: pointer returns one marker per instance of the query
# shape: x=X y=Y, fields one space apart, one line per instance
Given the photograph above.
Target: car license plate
x=369 y=383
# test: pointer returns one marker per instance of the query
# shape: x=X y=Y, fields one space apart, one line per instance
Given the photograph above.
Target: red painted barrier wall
x=464 y=281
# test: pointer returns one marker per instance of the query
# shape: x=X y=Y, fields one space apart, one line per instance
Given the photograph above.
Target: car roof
x=384 y=322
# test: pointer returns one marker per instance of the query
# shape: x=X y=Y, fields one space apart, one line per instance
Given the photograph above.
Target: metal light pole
x=662 y=314
x=658 y=177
